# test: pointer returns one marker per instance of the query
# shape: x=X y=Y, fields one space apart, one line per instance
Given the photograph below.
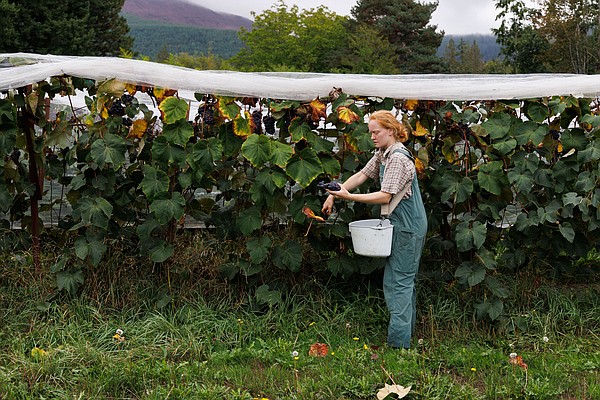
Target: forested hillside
x=152 y=36
x=488 y=47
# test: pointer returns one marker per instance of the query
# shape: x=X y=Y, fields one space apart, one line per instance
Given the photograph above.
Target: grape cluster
x=312 y=124
x=333 y=186
x=50 y=154
x=555 y=134
x=126 y=99
x=269 y=122
x=15 y=155
x=151 y=134
x=127 y=121
x=116 y=109
x=206 y=114
x=257 y=122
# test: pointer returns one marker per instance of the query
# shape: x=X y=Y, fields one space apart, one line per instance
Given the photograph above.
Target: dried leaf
x=310 y=214
x=518 y=360
x=318 y=350
x=401 y=391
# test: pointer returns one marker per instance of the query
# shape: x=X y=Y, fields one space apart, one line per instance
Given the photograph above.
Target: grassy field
x=213 y=343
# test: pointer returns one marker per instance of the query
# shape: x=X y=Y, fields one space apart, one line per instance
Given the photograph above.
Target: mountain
x=181 y=12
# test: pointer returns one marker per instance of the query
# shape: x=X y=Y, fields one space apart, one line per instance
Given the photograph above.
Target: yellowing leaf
x=138 y=128
x=419 y=166
x=131 y=88
x=104 y=113
x=560 y=147
x=163 y=93
x=228 y=108
x=346 y=115
x=242 y=126
x=318 y=110
x=350 y=143
x=173 y=109
x=89 y=120
x=112 y=88
x=32 y=100
x=401 y=391
x=411 y=105
x=421 y=130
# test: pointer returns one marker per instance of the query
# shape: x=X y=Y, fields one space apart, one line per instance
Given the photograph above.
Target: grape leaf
x=242 y=125
x=174 y=109
x=257 y=150
x=305 y=167
x=318 y=110
x=346 y=115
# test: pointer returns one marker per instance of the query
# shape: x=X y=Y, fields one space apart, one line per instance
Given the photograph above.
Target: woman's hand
x=328 y=205
x=340 y=194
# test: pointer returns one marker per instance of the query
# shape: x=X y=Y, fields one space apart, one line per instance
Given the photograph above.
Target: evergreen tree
x=473 y=64
x=8 y=31
x=462 y=51
x=450 y=56
x=365 y=52
x=69 y=27
x=163 y=54
x=405 y=24
x=110 y=28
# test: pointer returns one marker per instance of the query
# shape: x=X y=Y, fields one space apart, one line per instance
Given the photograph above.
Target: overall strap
x=388 y=209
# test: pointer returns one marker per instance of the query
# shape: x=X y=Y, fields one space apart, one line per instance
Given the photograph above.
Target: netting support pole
x=28 y=125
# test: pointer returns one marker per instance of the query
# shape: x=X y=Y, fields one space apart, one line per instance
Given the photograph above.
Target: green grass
x=211 y=344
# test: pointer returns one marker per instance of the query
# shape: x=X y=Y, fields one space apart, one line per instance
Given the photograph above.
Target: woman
x=393 y=165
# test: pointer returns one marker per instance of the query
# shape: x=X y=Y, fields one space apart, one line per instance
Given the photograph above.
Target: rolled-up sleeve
x=399 y=172
x=371 y=169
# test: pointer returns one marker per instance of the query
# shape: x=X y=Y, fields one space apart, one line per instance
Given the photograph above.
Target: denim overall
x=399 y=278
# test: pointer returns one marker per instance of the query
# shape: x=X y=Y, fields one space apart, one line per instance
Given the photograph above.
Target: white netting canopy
x=21 y=69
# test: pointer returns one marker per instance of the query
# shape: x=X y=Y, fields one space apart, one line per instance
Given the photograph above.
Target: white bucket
x=372 y=237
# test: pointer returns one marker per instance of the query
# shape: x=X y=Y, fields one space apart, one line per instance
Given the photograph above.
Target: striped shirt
x=399 y=170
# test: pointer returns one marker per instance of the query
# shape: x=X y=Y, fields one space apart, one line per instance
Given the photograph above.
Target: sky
x=456 y=17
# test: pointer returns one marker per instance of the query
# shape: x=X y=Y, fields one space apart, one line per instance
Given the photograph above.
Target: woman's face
x=382 y=137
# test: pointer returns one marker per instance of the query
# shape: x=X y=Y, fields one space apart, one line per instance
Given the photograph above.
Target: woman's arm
x=369 y=198
x=351 y=183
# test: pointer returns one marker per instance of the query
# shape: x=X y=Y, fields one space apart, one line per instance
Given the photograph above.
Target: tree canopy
x=67 y=27
x=553 y=36
x=405 y=24
x=285 y=38
x=381 y=37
